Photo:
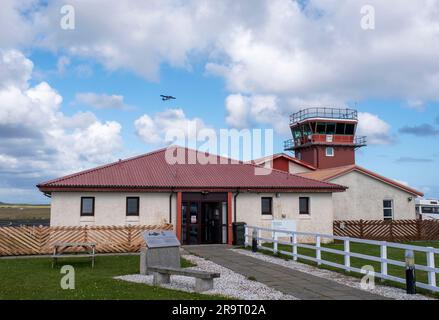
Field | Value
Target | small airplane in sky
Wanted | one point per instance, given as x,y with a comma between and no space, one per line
165,98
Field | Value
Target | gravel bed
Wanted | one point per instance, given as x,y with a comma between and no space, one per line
230,284
389,292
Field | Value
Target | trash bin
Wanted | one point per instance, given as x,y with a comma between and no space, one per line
238,233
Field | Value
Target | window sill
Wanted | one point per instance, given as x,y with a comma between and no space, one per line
132,219
304,216
87,219
267,217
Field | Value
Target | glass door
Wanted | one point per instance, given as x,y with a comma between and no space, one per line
193,222
211,222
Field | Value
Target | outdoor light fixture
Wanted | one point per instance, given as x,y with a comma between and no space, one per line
409,199
277,195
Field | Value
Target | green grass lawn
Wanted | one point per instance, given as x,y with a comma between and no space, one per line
33,278
372,250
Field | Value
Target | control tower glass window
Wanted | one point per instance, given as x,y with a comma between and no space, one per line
340,128
350,128
330,128
297,133
307,130
321,128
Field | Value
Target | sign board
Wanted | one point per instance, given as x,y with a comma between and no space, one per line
160,239
287,225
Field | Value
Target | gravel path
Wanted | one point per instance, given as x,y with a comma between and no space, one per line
230,284
389,292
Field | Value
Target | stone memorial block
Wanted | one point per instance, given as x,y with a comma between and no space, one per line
162,249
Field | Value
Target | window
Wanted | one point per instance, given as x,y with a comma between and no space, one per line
266,205
304,205
307,131
340,128
430,209
329,151
321,128
388,209
350,129
330,128
133,206
87,206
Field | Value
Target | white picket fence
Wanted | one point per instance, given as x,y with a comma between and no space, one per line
346,253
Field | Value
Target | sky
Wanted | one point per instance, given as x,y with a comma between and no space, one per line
80,85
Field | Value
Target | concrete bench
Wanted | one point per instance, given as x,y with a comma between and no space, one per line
203,279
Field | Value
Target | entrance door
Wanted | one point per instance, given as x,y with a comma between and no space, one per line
212,222
203,218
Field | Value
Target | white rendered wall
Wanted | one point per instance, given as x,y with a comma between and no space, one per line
364,199
296,168
320,220
110,209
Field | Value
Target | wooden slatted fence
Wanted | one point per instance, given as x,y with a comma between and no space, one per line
26,240
395,230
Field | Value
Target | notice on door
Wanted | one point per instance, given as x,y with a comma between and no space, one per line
193,219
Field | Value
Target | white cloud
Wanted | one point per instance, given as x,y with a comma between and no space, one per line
312,52
15,70
15,28
164,125
38,139
101,101
238,111
246,111
376,129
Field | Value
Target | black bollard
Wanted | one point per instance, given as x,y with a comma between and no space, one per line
254,241
410,277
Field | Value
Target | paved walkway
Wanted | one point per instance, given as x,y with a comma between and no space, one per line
298,284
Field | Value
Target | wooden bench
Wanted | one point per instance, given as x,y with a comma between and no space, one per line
60,247
203,279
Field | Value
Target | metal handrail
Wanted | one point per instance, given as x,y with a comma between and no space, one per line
328,113
358,141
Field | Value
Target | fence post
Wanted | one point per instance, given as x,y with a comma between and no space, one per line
294,247
347,255
274,239
259,237
430,264
318,251
246,236
383,255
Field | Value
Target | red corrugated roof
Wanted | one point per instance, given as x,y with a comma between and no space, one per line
152,170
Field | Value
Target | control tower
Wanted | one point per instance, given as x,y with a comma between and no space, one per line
325,137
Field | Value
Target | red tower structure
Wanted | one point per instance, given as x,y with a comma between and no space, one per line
325,137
